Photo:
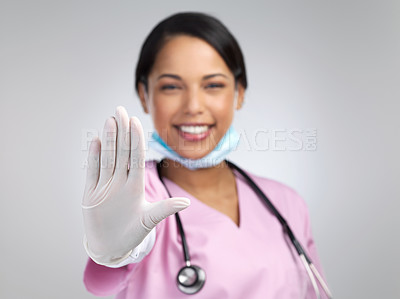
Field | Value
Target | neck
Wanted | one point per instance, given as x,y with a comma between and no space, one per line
212,177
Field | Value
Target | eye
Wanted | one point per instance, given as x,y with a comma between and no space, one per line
169,87
215,85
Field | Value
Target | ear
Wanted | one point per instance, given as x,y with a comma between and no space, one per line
143,96
240,96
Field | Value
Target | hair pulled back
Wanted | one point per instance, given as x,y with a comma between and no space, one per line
194,24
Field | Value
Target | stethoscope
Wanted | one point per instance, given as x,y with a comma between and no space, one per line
191,278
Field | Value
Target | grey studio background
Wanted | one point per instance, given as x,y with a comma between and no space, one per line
326,72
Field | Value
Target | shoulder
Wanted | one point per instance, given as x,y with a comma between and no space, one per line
151,168
285,198
154,188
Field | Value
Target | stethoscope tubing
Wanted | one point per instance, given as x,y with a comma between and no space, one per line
186,254
307,262
274,211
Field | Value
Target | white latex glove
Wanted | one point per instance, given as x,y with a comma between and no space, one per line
116,215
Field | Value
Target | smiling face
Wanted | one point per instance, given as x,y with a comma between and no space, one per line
190,96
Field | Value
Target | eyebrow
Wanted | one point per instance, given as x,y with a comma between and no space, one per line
179,78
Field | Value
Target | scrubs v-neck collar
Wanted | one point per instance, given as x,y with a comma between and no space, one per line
223,217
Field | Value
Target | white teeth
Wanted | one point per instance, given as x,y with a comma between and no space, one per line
194,129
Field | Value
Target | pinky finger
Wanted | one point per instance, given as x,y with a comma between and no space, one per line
92,174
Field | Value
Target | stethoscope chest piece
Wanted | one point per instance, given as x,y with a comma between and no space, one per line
191,279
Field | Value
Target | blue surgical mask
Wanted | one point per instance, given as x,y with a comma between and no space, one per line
227,143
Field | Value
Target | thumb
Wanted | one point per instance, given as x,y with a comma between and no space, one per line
162,209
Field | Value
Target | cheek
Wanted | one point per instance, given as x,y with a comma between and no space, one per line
162,113
224,109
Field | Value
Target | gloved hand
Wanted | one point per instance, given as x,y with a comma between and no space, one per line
116,215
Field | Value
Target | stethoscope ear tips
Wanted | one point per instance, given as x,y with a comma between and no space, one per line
191,279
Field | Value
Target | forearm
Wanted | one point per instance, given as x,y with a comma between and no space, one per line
104,281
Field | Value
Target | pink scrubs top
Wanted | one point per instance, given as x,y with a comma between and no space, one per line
254,260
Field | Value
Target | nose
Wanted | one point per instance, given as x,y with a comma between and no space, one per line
193,102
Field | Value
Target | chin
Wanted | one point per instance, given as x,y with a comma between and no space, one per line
193,156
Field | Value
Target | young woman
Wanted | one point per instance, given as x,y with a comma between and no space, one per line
226,241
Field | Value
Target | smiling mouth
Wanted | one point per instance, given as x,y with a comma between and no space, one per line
194,132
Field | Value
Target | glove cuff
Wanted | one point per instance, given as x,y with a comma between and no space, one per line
135,255
99,260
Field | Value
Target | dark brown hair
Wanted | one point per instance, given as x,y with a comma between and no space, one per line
194,24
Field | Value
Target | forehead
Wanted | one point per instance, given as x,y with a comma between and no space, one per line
189,56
